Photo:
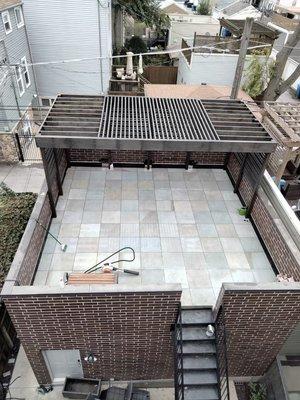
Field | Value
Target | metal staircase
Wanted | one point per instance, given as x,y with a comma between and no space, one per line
197,371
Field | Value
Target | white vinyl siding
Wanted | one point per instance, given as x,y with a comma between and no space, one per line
25,71
20,82
6,22
64,30
19,17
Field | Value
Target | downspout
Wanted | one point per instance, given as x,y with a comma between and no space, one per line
12,75
30,53
100,46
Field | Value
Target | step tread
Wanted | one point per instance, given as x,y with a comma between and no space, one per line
201,393
200,378
200,347
199,362
197,316
195,333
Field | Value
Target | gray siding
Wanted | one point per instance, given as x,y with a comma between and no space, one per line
13,46
62,30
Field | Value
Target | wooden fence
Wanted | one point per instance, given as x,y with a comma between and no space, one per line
161,75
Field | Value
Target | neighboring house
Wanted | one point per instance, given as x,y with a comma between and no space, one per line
17,82
187,26
216,64
237,7
63,30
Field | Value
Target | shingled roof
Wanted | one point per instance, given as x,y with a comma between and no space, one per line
5,4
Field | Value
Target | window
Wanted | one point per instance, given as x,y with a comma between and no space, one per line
46,101
25,70
19,17
6,22
20,82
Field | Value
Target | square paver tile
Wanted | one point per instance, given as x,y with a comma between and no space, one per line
237,260
129,205
133,242
231,245
84,261
207,230
251,244
129,217
166,217
87,245
147,205
165,205
163,194
211,245
45,261
245,230
148,217
264,275
111,217
150,245
226,230
198,278
69,230
149,230
168,230
170,245
152,277
196,194
221,217
91,217
151,261
258,260
72,217
176,276
93,205
180,194
89,230
216,261
187,230
203,217
62,262
173,260
111,205
185,217
71,245
131,230
191,245
74,205
78,194
108,244
109,230
242,275
194,261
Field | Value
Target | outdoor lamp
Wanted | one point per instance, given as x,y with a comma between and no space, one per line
90,358
210,331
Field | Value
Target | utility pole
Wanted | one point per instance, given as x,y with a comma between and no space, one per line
242,58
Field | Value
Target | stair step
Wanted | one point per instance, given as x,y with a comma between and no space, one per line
195,333
201,393
199,362
197,316
198,347
200,378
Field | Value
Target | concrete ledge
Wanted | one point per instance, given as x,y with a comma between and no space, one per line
83,289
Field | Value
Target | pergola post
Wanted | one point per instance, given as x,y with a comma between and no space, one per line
281,169
257,184
49,183
241,172
58,178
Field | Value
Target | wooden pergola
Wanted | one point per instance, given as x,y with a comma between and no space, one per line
152,124
284,121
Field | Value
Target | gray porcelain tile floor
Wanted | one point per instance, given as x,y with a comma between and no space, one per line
183,225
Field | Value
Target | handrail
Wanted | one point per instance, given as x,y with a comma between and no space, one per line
283,209
178,357
222,359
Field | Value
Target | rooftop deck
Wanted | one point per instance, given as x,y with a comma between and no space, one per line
183,225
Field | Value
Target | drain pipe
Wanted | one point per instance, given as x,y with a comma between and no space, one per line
100,43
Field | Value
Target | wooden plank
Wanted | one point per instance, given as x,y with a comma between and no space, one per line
92,279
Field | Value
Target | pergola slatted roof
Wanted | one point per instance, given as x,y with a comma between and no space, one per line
143,123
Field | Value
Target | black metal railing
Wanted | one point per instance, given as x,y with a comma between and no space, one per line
27,149
178,358
222,362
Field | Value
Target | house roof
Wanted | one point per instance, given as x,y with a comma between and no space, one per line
5,4
236,27
233,8
171,7
149,124
248,12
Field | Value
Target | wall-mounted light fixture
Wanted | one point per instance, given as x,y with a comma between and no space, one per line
210,331
90,358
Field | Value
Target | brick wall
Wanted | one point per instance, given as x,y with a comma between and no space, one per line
278,249
258,322
129,333
159,157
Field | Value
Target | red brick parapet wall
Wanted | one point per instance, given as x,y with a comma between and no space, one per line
258,322
139,157
281,254
129,333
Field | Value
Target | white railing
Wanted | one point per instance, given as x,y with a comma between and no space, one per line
282,207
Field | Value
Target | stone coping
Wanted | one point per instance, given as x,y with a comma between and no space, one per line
84,289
